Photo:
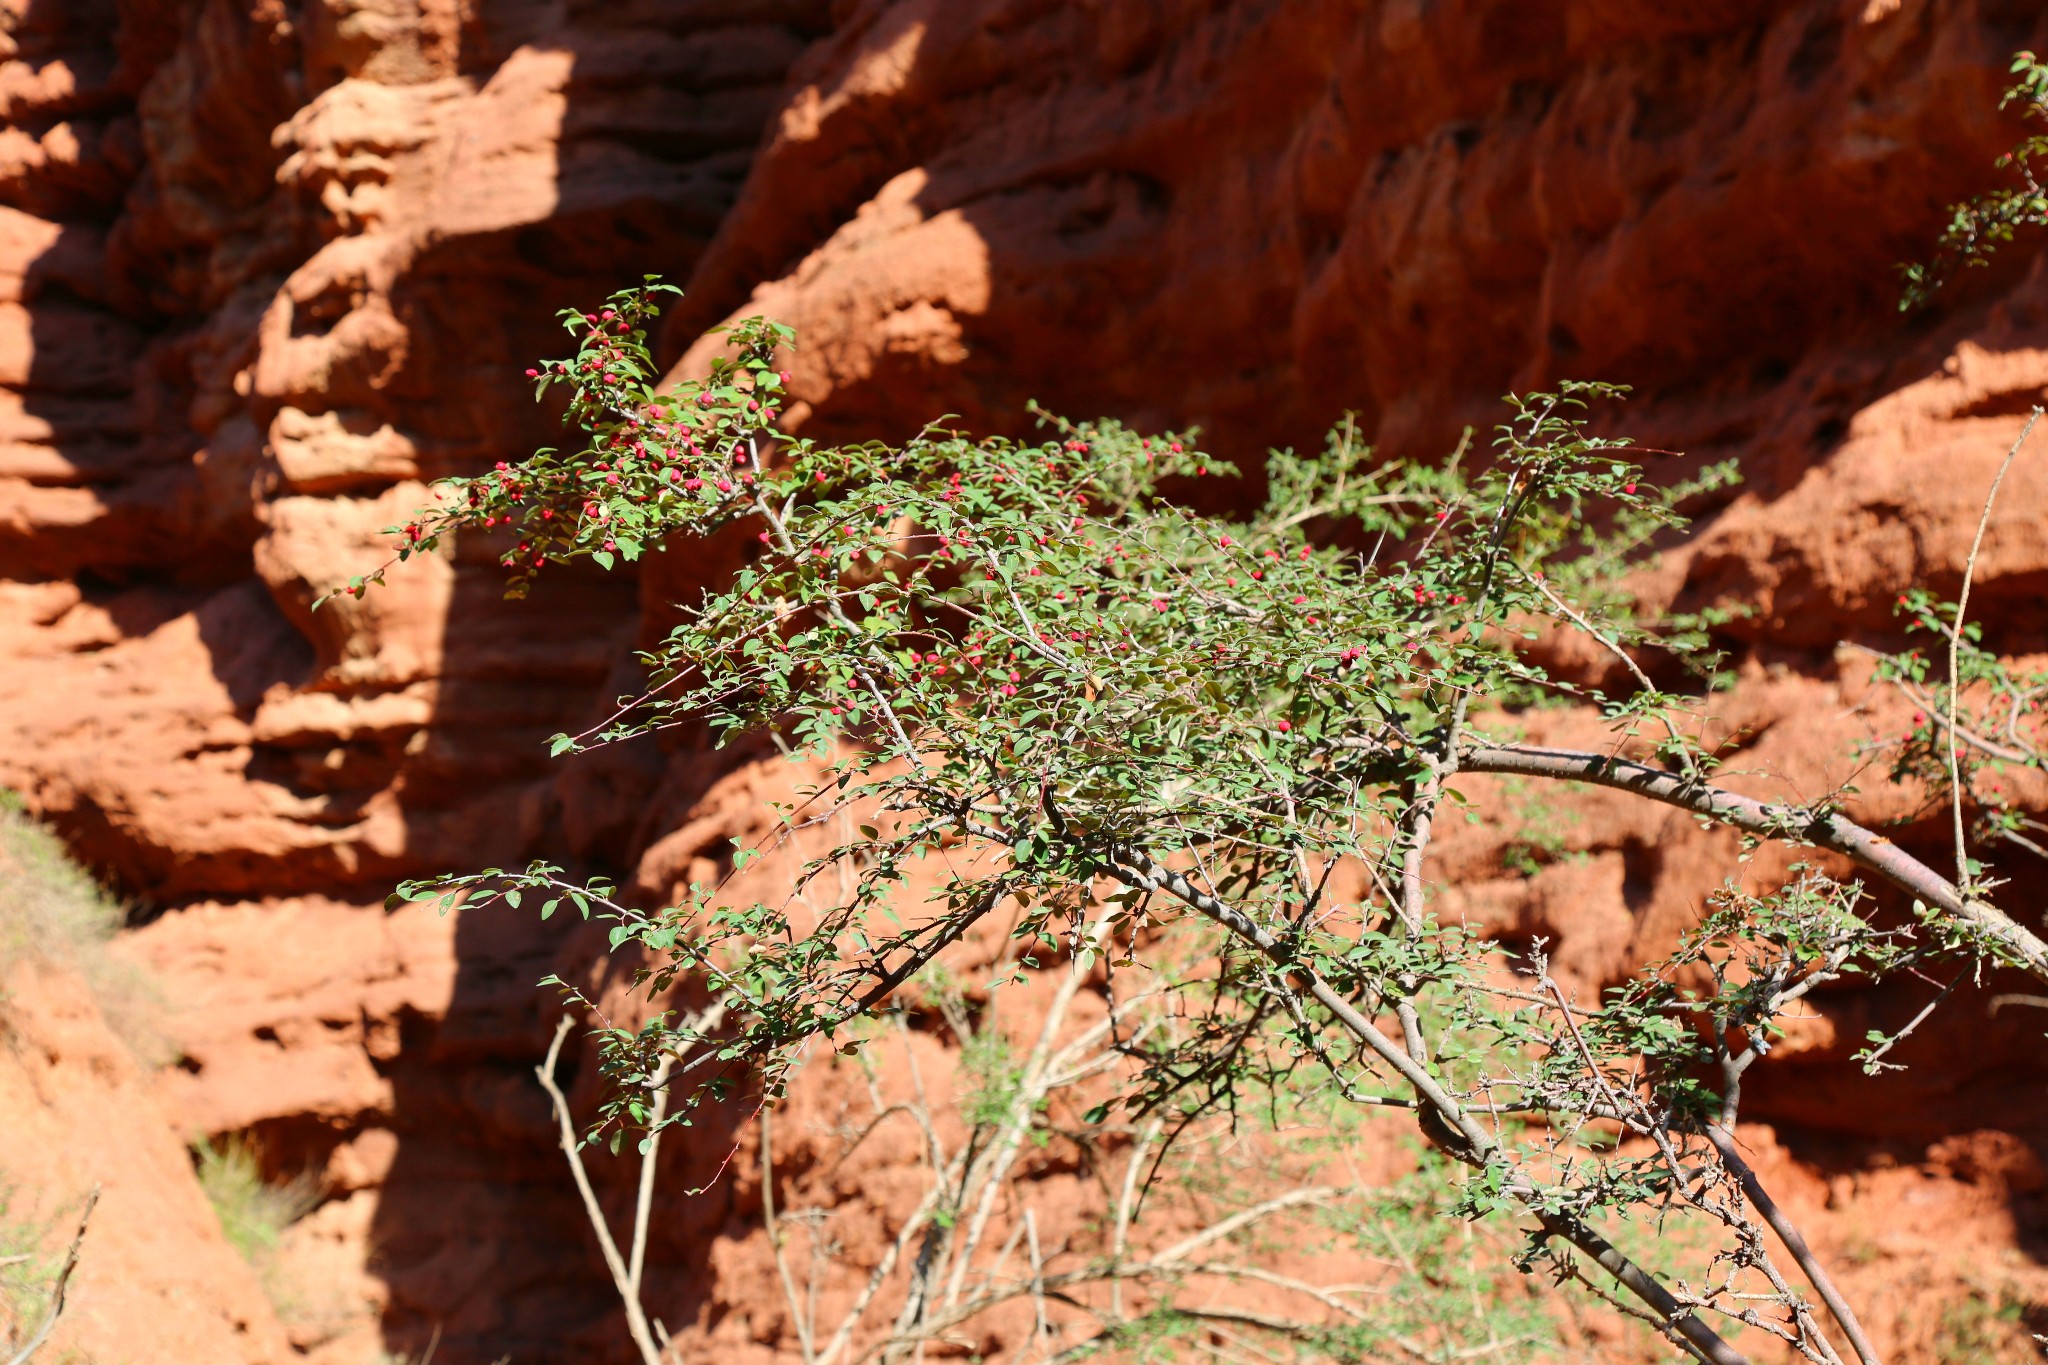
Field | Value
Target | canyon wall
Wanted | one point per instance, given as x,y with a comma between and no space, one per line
267,268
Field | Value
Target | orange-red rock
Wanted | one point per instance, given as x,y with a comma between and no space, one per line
266,269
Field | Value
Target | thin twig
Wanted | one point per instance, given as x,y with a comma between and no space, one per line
1126,1201
1955,647
797,1316
1613,647
636,1318
643,1202
1870,1066
1040,1327
61,1290
1031,1087
1237,1222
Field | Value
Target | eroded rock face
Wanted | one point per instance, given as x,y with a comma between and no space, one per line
268,269
157,1282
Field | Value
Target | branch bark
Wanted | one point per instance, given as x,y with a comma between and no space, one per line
1138,869
1788,1233
1826,829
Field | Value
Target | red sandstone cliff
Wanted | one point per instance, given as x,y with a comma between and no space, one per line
266,267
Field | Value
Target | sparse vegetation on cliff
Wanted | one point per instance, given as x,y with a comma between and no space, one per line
51,910
253,1211
50,907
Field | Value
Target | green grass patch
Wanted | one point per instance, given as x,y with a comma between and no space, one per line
51,910
253,1211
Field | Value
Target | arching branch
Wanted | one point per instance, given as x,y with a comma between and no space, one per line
1774,820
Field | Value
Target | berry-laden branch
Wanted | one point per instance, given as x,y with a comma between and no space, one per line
1978,227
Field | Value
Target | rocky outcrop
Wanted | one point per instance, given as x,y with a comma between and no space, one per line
156,1283
266,270
266,273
